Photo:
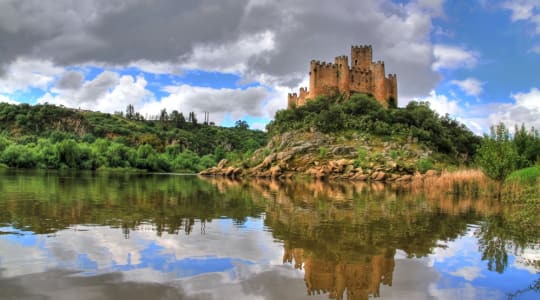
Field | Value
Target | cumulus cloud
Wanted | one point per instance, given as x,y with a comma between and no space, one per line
266,41
441,104
108,92
25,73
71,80
525,10
471,86
5,99
526,109
453,57
469,273
236,103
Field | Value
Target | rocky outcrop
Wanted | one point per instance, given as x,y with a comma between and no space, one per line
322,156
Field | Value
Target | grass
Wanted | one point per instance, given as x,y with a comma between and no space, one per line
460,182
529,175
322,152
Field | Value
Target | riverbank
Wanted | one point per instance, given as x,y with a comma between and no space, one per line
343,156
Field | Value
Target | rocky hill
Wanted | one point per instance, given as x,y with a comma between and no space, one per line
351,156
357,139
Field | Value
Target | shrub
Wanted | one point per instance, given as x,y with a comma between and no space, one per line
322,152
423,165
497,155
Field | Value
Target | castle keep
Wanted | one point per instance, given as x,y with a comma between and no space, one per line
363,76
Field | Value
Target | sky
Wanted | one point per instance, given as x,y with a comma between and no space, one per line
476,60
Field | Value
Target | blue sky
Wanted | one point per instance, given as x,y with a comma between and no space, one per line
475,60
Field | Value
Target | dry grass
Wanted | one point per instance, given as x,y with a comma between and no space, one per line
461,182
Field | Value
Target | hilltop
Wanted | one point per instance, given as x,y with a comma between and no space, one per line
51,137
357,138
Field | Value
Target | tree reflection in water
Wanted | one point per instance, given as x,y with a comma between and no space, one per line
344,236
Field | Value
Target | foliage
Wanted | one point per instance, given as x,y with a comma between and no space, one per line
530,175
364,113
322,152
497,155
50,137
423,165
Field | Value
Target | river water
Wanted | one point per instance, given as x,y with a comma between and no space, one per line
152,236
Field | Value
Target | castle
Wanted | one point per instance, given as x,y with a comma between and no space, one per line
364,76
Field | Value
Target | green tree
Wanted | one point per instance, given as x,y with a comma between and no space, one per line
68,153
241,124
130,112
497,155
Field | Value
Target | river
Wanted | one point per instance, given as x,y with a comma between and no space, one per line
69,235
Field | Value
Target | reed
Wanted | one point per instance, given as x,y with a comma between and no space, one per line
462,182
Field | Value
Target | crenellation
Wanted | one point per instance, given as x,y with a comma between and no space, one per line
362,76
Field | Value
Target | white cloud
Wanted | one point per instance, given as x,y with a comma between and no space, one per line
469,273
266,41
436,7
231,57
471,86
218,102
535,49
526,109
527,259
25,73
525,10
452,57
441,104
521,10
108,92
5,99
156,67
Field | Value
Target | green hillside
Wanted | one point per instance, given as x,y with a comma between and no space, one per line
52,137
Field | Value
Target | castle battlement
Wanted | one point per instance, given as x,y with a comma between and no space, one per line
361,47
362,76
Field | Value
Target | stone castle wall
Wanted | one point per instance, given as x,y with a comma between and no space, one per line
362,76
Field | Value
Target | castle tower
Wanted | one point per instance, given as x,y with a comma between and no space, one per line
313,80
380,84
361,57
392,78
362,76
343,74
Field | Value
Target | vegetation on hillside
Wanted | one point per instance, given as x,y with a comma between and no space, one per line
51,137
501,153
365,114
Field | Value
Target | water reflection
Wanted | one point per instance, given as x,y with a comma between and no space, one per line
230,239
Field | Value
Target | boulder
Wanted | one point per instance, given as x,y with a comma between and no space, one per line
378,176
275,171
222,163
392,177
268,160
237,172
359,177
344,151
404,178
228,172
283,156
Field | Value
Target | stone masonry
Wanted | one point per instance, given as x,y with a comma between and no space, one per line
363,76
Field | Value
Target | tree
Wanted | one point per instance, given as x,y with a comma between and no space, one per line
241,124
178,119
192,119
497,155
130,112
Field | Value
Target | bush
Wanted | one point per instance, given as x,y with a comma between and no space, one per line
322,152
423,165
497,156
530,175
